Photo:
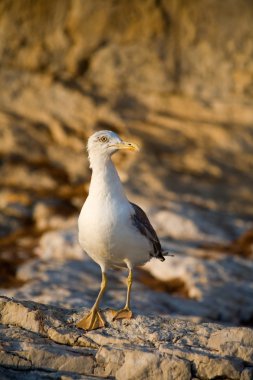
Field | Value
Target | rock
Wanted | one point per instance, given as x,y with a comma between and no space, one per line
243,246
40,339
41,374
138,73
222,284
185,222
51,216
164,38
189,285
247,374
149,71
60,246
229,346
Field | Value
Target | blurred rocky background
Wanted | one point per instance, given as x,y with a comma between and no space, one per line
175,76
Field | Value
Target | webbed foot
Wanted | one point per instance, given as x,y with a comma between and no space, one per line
125,313
92,321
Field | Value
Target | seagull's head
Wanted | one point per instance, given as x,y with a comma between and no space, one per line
106,143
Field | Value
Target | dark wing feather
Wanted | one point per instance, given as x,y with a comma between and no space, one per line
141,222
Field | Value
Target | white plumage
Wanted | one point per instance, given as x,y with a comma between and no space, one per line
105,229
113,231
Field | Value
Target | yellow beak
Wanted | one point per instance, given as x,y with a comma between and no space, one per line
126,145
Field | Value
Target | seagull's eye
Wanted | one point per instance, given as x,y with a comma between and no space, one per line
103,139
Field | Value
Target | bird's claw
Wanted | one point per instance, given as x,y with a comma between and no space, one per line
92,321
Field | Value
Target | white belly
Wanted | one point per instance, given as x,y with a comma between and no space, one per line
108,236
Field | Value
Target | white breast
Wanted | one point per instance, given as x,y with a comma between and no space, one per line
107,234
106,231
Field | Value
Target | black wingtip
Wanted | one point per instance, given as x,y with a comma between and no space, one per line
167,253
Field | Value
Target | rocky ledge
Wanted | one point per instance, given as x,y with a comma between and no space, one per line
39,341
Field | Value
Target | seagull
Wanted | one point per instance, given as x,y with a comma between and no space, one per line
113,231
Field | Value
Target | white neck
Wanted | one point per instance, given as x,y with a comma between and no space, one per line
105,181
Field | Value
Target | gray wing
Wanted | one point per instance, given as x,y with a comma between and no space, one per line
141,222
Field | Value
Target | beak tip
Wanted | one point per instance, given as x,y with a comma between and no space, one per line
133,147
129,146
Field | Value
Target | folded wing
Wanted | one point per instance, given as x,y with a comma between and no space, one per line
141,222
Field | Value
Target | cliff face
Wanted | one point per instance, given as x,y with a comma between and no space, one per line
175,75
200,49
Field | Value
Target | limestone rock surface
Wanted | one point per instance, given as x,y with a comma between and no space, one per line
43,342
